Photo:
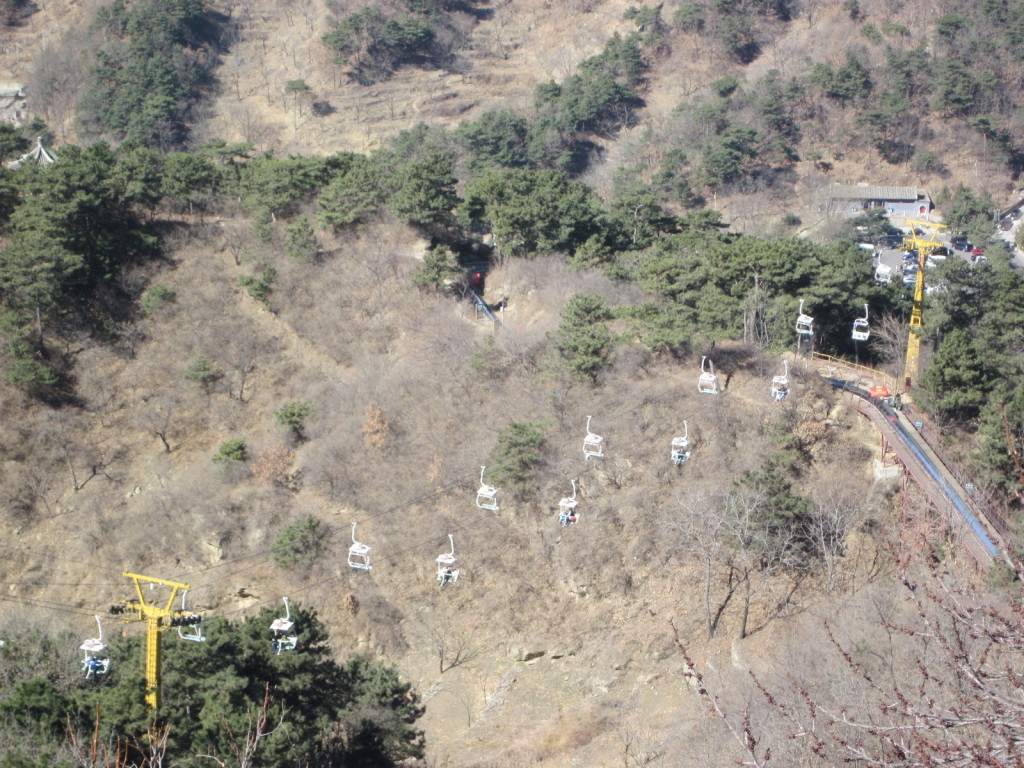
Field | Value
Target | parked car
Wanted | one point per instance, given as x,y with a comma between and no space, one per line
977,251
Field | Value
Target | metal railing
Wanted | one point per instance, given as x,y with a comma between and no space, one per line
866,370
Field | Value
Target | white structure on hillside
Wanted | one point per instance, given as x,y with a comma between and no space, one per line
39,156
13,104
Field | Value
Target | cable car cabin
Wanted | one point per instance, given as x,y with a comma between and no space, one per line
681,446
593,445
680,450
283,636
804,323
861,331
358,554
780,384
447,573
188,623
96,661
567,514
486,495
708,382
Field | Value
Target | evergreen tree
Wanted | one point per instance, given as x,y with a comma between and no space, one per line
958,380
517,456
319,711
583,338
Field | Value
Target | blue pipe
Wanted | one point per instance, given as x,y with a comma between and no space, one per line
915,448
481,303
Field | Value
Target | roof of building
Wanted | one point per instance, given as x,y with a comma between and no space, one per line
40,156
875,192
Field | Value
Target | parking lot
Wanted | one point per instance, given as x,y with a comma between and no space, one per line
903,264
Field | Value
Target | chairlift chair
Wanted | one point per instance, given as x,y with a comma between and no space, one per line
96,661
358,554
283,636
486,495
780,384
567,514
447,573
593,445
681,446
189,625
861,330
708,382
804,323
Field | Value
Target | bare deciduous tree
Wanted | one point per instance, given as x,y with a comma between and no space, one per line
698,529
454,646
836,512
946,692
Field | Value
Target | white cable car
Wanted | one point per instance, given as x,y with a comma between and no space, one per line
681,446
861,330
593,445
447,573
189,625
96,661
883,274
708,382
486,495
358,554
780,384
283,636
567,514
804,323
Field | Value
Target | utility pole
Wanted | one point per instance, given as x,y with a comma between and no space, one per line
158,619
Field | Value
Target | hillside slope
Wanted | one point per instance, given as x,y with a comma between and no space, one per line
555,647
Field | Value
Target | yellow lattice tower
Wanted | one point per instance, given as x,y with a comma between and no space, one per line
156,618
923,248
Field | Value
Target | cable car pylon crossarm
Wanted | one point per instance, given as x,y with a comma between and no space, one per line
158,617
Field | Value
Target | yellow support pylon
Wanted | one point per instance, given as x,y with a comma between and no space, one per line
923,247
154,616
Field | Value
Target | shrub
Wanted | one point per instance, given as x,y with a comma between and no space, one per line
439,269
300,240
155,297
260,287
300,543
232,451
202,370
293,414
26,372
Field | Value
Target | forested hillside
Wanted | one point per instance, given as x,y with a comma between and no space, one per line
301,266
